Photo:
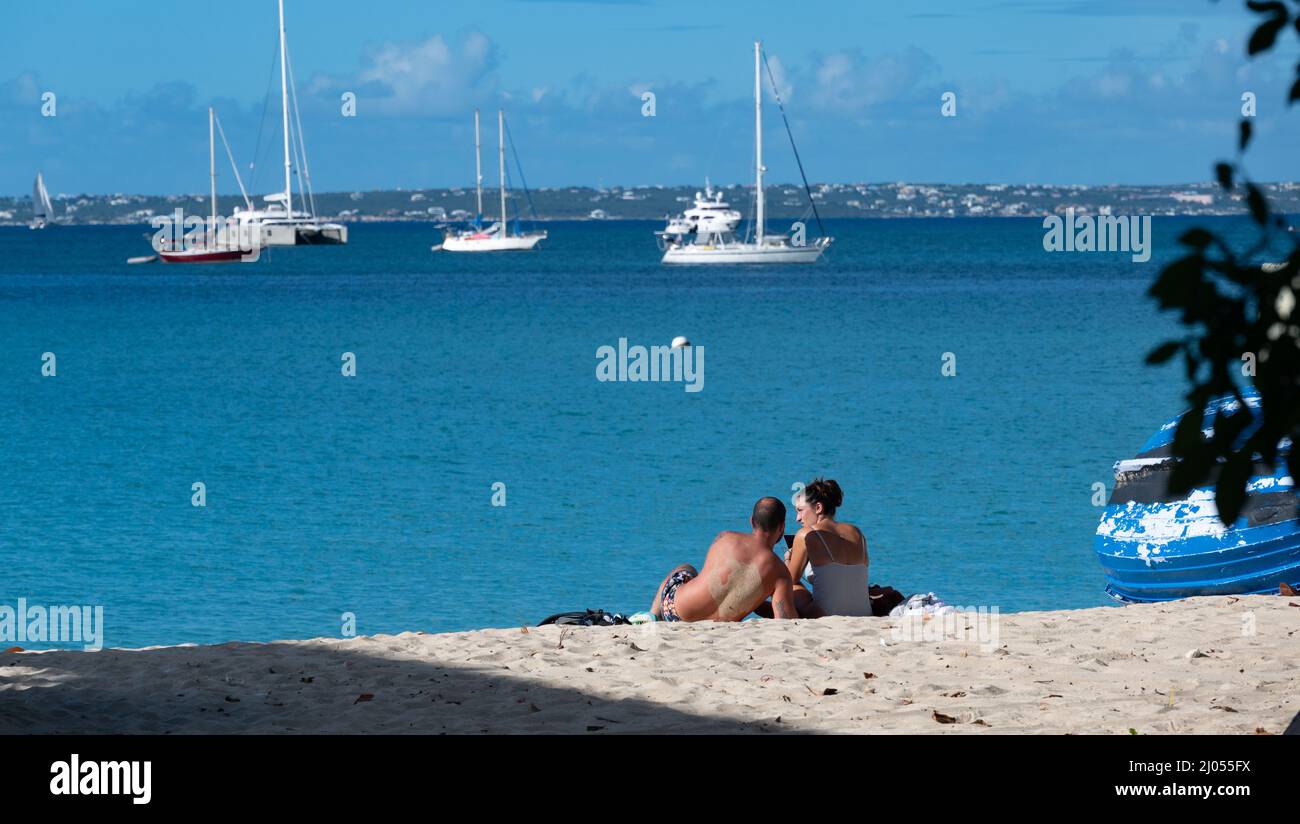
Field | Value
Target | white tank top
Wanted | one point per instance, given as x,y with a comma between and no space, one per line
839,589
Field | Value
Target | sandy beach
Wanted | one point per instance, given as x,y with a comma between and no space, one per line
1211,665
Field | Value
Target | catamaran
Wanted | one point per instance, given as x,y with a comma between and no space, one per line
497,237
42,208
216,246
724,246
278,223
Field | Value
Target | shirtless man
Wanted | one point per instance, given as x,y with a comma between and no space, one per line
740,573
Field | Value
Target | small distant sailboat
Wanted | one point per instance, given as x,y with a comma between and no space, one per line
42,208
213,248
497,237
724,246
279,224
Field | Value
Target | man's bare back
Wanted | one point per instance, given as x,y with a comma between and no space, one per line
740,573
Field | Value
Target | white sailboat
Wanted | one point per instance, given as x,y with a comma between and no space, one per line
724,246
42,208
497,237
278,223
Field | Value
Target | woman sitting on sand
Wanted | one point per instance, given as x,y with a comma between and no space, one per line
832,556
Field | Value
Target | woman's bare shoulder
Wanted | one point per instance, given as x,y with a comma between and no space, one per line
854,532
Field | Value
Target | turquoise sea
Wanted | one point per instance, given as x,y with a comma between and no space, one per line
372,494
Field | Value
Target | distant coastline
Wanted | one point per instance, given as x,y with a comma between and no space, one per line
785,202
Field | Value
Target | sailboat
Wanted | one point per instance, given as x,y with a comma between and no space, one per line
497,237
42,208
279,224
213,249
721,246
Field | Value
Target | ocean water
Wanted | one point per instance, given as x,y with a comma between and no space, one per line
372,494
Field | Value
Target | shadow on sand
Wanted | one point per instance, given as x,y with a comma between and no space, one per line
283,688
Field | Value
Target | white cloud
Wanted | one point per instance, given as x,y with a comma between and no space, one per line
432,77
850,81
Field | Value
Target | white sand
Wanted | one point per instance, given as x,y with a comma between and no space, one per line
1086,671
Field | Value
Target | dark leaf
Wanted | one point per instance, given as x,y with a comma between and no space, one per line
1244,140
1293,460
1164,352
1223,172
1266,32
1196,238
1189,444
1230,492
1178,282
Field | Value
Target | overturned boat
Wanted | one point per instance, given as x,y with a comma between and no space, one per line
1156,546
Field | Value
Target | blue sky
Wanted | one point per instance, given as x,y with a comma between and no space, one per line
1049,91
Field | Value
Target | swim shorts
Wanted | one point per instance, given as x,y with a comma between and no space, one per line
668,601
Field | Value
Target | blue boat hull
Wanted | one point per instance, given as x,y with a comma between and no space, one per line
1249,560
1153,546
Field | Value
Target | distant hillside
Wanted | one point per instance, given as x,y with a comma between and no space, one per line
785,202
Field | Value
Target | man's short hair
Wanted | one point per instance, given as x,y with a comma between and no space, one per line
769,515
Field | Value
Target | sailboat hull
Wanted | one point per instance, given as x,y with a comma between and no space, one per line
491,243
708,254
202,256
256,232
330,234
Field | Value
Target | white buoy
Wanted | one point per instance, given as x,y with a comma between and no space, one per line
680,341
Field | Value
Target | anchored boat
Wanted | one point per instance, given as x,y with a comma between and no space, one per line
721,245
497,237
278,223
711,215
1155,546
215,245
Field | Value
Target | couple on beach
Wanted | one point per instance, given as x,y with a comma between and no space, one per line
741,573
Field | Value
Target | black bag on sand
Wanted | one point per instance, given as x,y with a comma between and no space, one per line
586,618
883,599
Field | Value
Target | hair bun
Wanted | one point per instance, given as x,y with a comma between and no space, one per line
836,494
826,492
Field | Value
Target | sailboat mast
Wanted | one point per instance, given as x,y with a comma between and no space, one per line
212,167
758,140
284,108
501,139
478,167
